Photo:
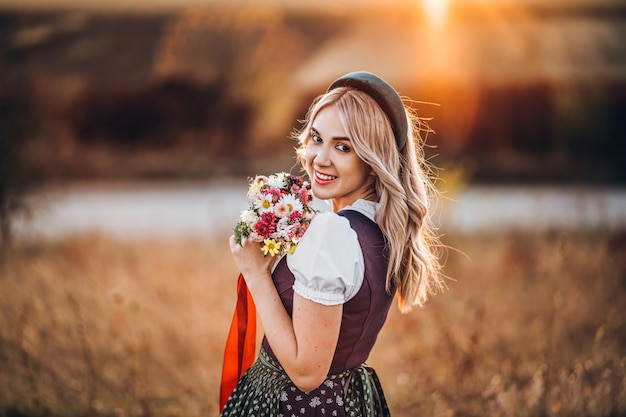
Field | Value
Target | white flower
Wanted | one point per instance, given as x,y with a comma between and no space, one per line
249,217
292,202
283,229
264,204
278,180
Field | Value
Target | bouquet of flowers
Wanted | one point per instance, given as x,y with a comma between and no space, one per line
280,211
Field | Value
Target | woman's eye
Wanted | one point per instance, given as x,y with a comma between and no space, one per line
343,147
316,138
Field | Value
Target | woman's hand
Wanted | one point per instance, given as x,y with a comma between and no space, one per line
251,261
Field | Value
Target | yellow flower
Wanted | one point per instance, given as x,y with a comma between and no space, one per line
271,246
254,188
292,248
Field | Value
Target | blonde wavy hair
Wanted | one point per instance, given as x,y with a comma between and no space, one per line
403,188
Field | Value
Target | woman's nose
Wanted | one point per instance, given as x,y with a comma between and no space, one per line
322,156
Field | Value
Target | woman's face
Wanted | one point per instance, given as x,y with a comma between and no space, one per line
335,170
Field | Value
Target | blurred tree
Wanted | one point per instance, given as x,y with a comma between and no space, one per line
250,49
18,122
162,115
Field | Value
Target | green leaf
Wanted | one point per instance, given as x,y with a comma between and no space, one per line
241,232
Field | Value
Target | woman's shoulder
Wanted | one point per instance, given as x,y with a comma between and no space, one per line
329,219
365,207
327,228
328,262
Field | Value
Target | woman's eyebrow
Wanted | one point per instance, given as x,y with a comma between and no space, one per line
314,130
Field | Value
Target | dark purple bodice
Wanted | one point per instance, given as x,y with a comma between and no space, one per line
363,315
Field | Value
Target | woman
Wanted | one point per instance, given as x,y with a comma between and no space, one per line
323,306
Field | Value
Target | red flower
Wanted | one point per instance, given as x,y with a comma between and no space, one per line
266,225
295,216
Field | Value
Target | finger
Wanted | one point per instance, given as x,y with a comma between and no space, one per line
232,243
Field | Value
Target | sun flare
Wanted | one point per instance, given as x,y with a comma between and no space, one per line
436,11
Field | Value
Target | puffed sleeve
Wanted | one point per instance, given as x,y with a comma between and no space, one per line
328,262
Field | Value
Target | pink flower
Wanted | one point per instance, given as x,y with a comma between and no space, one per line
275,193
256,237
296,231
304,196
259,180
281,210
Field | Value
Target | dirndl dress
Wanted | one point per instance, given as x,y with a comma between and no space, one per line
352,388
265,390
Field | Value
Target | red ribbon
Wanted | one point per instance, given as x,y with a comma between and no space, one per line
240,345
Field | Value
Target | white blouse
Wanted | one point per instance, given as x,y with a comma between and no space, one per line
328,262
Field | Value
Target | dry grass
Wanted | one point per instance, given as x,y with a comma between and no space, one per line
534,325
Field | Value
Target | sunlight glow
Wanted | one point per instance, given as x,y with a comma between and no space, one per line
436,11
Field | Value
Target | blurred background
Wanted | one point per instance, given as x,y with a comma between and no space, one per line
518,91
122,121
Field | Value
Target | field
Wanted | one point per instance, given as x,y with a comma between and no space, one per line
531,325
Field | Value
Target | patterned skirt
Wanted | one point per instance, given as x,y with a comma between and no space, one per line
265,390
